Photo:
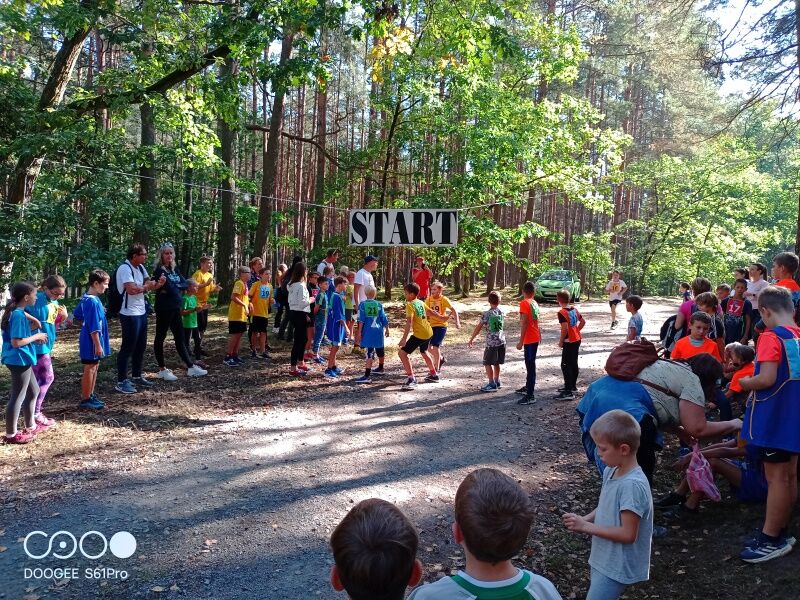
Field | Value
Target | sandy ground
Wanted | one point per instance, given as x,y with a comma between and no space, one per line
237,496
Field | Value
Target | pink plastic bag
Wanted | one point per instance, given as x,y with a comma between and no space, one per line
700,477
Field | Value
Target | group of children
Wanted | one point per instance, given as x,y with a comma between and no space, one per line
375,545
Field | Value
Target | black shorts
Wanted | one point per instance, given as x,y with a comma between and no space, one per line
413,343
235,327
90,361
373,352
494,355
259,324
614,302
348,314
775,455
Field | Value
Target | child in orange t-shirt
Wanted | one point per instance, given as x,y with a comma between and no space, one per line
696,342
741,360
784,268
571,323
529,338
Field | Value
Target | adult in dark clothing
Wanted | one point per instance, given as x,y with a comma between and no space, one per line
169,299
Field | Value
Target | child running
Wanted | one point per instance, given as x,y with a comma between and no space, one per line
569,341
47,311
337,327
19,356
493,516
529,338
772,420
441,311
421,333
616,291
372,328
622,524
238,311
93,342
494,353
375,552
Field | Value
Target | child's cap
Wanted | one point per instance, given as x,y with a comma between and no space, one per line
374,548
494,514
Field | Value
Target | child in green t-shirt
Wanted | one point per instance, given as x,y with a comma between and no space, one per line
189,310
350,308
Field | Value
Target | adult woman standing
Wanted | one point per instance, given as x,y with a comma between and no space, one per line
669,396
300,316
168,314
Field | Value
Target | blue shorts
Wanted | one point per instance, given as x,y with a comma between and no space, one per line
438,336
754,484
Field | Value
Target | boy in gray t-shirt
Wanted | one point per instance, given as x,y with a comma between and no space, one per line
622,524
494,354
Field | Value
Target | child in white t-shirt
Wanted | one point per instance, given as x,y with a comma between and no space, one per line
615,290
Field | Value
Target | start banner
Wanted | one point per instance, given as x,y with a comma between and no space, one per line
403,227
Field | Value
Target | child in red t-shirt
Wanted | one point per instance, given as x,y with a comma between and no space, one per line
740,362
529,338
697,341
569,341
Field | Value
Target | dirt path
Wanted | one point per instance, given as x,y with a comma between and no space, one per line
240,503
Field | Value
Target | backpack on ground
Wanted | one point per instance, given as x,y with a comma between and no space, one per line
628,359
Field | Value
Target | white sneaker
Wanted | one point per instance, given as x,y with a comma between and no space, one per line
275,330
195,371
167,375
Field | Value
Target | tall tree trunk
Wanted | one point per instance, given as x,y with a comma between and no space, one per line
269,178
147,172
319,190
188,233
226,238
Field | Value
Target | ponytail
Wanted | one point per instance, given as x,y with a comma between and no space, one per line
18,292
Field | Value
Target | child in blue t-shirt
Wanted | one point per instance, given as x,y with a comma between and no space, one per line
93,343
19,356
47,311
337,327
371,329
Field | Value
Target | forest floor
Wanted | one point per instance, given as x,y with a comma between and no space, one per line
231,484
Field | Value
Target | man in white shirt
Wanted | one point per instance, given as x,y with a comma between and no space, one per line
363,279
132,282
330,259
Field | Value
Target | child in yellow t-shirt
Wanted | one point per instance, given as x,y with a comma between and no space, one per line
205,286
238,311
260,295
421,333
441,312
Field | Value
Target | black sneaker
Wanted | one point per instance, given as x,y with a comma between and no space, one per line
379,371
203,354
433,378
523,390
526,399
565,396
670,500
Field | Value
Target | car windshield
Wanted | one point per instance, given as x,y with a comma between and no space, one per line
556,276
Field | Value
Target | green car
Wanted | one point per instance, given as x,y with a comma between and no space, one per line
550,283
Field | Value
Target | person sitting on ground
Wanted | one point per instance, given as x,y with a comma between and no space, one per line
772,420
622,524
697,341
375,552
494,354
636,323
493,516
738,463
742,365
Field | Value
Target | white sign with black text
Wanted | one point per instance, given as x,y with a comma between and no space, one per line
403,227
